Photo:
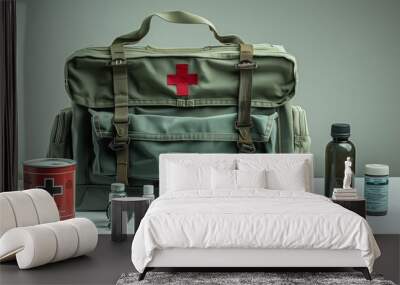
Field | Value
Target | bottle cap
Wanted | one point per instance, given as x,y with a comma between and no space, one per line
376,169
117,187
340,130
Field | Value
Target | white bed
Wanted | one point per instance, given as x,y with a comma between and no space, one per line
202,226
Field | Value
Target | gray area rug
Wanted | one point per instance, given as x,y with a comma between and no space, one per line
243,278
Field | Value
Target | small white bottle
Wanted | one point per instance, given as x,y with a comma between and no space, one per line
148,191
117,191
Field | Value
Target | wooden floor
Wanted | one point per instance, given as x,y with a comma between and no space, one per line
110,260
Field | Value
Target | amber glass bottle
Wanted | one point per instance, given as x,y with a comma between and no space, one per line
336,153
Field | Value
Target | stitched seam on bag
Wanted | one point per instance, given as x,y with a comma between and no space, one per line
188,137
270,124
257,103
97,129
301,138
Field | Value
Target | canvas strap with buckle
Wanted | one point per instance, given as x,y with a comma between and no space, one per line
120,143
243,123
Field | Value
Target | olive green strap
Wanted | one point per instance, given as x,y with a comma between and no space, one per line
120,86
243,123
178,17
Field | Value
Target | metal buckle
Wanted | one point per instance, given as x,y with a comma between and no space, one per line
118,62
246,148
120,121
237,126
118,146
245,64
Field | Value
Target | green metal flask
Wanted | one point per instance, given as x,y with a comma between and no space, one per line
336,153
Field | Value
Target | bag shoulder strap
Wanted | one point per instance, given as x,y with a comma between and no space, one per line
243,123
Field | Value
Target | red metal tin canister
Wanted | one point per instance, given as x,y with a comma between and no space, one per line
56,176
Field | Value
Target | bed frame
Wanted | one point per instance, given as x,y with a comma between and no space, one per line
244,258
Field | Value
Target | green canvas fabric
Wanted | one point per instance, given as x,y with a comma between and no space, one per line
60,136
89,76
158,120
86,140
302,139
152,135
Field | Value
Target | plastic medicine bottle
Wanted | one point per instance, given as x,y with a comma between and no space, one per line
117,191
336,153
376,189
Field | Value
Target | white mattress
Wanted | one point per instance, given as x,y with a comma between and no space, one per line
250,219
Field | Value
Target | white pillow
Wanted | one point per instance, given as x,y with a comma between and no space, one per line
182,177
281,173
228,179
294,180
223,179
251,178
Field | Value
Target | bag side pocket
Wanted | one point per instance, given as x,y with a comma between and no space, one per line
302,139
60,145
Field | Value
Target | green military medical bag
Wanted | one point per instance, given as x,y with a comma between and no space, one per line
129,104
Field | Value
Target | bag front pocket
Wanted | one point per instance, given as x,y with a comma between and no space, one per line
151,135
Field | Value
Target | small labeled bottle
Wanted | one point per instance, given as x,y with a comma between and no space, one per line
117,191
376,183
336,153
148,191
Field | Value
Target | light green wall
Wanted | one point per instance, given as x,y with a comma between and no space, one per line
347,51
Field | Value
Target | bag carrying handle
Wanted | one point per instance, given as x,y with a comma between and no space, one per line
178,17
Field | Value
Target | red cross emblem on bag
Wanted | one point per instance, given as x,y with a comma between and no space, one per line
182,79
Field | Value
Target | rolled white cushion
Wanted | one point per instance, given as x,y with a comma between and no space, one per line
23,208
26,208
87,235
66,238
45,205
33,246
40,244
7,218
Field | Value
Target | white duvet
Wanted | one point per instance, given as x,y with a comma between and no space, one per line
252,218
